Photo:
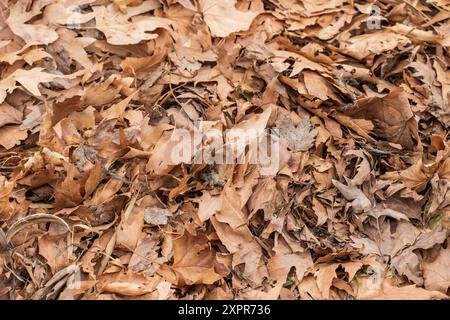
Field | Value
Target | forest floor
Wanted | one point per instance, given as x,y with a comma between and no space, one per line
224,149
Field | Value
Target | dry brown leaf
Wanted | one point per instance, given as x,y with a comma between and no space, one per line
388,291
127,284
437,272
359,201
194,260
131,225
9,115
362,46
392,117
107,111
324,277
280,265
223,18
29,79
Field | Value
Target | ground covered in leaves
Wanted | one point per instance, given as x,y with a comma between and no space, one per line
92,91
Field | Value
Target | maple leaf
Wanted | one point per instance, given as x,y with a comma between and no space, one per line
300,137
194,260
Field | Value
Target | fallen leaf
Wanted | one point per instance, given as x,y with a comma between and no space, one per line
300,137
129,28
392,117
223,18
194,260
437,272
359,201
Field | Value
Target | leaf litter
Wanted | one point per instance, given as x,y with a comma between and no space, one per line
92,94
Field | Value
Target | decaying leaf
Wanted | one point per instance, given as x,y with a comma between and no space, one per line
237,149
31,33
224,18
194,260
129,28
359,201
392,117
